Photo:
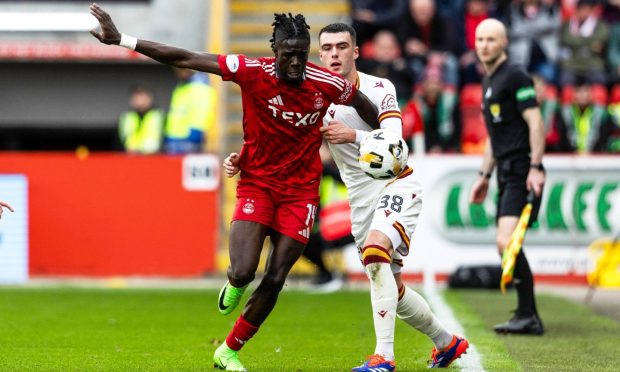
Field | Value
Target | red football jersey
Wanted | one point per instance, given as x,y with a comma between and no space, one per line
281,121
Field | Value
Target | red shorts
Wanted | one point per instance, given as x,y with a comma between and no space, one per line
291,215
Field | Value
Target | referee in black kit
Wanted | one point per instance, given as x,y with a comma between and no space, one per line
516,145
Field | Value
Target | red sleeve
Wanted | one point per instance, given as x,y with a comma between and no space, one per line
339,90
237,68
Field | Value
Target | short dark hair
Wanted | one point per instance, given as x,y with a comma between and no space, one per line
289,27
336,28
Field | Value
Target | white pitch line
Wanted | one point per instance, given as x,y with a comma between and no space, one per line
470,361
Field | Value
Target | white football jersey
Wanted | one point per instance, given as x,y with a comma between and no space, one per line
391,206
382,94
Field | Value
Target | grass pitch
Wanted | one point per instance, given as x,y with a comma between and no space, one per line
69,329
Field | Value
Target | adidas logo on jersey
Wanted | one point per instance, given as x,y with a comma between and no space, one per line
277,100
305,232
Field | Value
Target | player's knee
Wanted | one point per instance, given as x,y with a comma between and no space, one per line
240,277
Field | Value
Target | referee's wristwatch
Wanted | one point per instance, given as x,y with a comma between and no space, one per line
538,166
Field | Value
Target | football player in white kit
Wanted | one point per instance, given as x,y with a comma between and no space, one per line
384,213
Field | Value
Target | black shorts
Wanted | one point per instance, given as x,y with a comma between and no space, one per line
511,181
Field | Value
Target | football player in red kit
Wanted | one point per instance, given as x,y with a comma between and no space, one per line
284,100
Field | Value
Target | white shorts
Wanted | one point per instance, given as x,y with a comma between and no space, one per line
394,210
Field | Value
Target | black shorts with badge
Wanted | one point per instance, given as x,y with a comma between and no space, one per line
511,181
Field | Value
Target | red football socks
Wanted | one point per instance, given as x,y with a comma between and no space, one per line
241,333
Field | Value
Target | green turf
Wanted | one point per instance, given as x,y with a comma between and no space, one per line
68,329
178,330
576,339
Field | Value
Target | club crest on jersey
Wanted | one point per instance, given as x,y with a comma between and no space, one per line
389,103
248,207
318,103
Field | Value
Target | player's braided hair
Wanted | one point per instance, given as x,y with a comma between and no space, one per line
287,27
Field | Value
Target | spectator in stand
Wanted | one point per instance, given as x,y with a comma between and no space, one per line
451,9
471,70
371,16
436,106
613,54
140,128
425,35
583,40
611,130
388,63
547,97
191,114
582,120
533,30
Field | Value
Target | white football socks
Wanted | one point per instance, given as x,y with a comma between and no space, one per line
384,298
414,310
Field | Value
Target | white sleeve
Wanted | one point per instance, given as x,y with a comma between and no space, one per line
387,104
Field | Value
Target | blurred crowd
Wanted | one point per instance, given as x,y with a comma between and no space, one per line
571,48
183,129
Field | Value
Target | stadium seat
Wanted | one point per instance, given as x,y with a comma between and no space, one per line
474,132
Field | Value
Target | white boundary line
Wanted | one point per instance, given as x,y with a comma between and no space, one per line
471,361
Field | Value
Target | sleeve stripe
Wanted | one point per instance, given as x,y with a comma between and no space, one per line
312,77
325,74
389,114
320,74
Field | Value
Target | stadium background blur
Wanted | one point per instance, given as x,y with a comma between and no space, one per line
84,208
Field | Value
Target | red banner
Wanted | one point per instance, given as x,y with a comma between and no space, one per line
115,214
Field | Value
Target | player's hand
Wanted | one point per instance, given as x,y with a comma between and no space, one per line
231,165
337,132
479,191
4,205
535,180
108,34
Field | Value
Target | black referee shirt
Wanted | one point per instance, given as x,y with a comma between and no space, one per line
506,94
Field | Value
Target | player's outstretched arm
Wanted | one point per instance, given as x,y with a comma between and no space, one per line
4,205
163,53
366,110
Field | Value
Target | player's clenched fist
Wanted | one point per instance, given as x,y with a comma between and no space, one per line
337,132
231,164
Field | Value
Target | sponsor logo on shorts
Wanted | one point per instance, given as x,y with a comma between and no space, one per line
387,213
382,313
248,207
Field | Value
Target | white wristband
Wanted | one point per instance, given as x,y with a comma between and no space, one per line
128,42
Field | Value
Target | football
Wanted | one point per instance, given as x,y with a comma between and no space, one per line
383,154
